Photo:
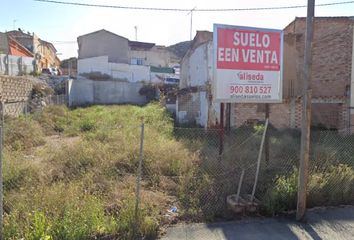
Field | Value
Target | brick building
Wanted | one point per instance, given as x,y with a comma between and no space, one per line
332,77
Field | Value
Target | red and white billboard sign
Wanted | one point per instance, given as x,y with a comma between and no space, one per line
247,64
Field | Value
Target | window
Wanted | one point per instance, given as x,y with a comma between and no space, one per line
137,61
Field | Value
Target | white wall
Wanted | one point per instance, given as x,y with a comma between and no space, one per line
198,74
203,121
94,64
131,73
16,65
86,92
196,70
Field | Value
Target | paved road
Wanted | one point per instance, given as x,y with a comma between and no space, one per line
320,224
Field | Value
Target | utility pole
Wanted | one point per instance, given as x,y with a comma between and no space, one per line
306,114
136,33
69,62
191,24
14,24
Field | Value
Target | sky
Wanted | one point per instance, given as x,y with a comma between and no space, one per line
62,24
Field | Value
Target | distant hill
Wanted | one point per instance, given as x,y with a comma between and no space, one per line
179,49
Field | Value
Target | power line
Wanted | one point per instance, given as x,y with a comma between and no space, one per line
63,42
195,10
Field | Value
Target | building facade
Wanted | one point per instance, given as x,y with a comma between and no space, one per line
44,52
10,46
121,50
194,101
332,80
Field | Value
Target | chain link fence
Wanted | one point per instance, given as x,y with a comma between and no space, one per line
23,107
90,173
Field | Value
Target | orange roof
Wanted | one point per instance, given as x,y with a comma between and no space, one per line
16,49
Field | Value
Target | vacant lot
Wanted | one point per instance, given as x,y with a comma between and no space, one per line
71,174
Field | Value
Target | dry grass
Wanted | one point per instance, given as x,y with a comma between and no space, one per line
79,181
82,188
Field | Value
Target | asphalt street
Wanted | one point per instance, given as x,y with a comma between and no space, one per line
320,224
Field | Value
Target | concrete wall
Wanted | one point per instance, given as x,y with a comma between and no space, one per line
104,43
15,66
130,73
87,92
93,64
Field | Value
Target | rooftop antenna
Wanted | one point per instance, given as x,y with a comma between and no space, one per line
191,27
14,24
136,33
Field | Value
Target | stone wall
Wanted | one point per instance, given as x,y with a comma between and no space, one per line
14,88
14,93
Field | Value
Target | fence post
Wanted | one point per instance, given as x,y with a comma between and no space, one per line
259,159
138,182
221,133
306,115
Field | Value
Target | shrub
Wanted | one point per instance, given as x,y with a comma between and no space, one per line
149,91
96,76
282,196
87,125
333,186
